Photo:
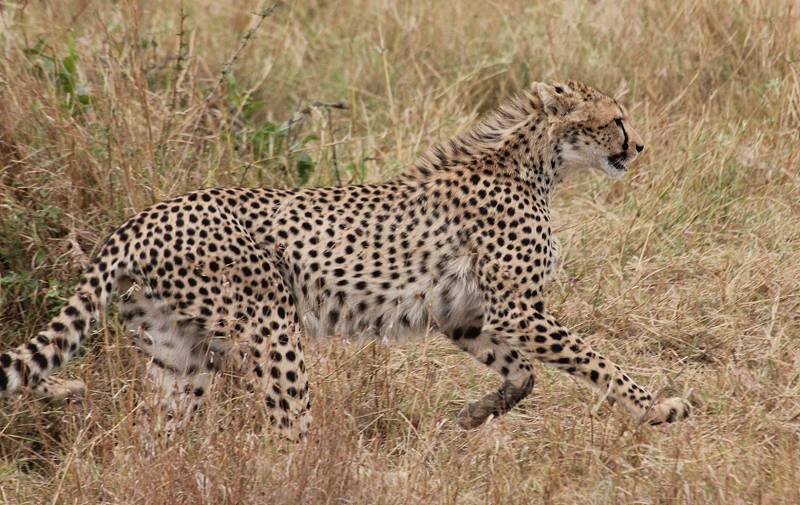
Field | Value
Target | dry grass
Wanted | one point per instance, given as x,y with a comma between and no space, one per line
686,272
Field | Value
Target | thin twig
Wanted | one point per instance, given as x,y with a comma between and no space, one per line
161,148
179,60
262,14
333,148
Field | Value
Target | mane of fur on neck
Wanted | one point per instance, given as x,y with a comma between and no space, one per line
490,137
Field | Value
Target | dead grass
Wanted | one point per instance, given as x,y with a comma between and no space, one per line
686,272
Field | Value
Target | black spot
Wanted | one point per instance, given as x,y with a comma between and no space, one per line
22,370
472,332
672,414
40,360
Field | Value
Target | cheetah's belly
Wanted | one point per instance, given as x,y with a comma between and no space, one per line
387,309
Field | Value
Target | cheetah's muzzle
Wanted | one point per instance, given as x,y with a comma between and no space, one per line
618,161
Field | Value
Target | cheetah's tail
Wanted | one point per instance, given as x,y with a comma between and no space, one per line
30,363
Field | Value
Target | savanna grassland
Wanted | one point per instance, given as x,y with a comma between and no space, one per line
687,272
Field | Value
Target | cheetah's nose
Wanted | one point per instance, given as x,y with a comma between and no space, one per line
639,148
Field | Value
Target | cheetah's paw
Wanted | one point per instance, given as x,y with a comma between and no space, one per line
668,411
64,391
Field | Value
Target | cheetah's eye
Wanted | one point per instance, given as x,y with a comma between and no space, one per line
618,120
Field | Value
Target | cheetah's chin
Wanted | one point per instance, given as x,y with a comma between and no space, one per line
615,171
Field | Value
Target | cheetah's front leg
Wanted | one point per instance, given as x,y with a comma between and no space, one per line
492,349
555,345
517,314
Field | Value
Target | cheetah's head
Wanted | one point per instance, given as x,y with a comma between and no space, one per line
590,128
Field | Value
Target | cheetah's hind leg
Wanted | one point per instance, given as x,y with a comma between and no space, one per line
274,363
179,366
178,396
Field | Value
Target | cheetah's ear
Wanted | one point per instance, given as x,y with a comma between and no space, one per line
555,98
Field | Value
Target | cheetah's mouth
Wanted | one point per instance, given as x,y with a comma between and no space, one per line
618,161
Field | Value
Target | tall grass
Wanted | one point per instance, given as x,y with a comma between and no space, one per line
686,272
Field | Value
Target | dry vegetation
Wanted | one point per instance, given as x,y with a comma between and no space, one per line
687,271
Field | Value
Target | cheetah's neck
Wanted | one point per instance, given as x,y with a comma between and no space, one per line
514,139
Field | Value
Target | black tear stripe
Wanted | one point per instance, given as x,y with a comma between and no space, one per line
624,134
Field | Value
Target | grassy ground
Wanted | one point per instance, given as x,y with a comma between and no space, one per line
686,272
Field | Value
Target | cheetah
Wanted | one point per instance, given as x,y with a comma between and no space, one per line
461,243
